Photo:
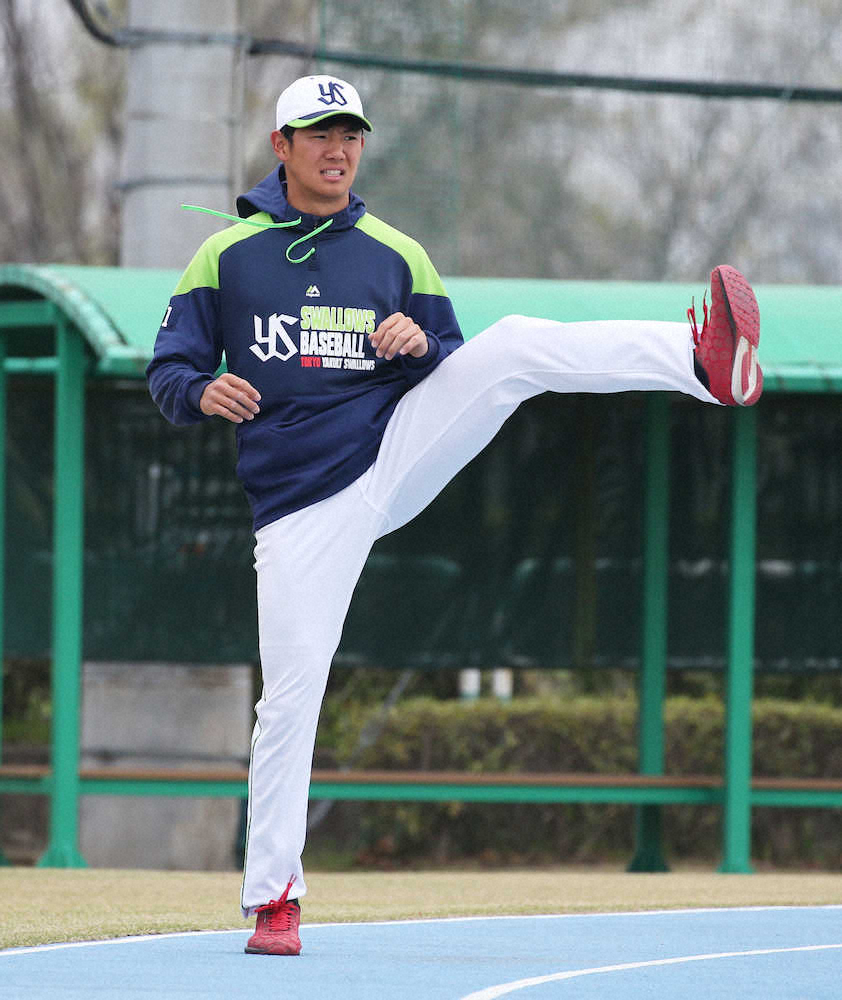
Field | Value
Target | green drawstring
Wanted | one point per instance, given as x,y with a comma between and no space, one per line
245,222
270,225
307,236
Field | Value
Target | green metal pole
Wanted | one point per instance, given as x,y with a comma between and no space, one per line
68,526
648,855
3,859
2,525
740,667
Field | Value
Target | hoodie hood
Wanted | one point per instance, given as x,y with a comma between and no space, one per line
270,196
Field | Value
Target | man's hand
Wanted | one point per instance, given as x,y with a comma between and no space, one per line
231,397
399,334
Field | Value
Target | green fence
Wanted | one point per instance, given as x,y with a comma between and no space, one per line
531,558
85,329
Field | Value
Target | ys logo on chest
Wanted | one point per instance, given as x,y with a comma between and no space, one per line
328,336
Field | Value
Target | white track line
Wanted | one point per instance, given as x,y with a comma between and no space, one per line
133,939
145,938
491,992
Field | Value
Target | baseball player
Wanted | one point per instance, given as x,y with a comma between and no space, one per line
355,401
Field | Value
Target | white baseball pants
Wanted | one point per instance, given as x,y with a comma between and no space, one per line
308,562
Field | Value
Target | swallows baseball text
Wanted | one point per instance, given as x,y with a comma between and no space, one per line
328,337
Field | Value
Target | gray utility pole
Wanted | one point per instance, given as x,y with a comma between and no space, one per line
183,110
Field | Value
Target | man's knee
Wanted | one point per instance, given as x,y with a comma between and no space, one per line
506,326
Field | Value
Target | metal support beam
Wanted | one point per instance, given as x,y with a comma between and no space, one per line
31,366
68,527
35,313
648,855
740,666
3,859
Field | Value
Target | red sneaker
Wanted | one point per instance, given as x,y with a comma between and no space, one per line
726,347
276,932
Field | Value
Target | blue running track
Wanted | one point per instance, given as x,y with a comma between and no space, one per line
776,953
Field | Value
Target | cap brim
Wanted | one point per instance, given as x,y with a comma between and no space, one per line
314,119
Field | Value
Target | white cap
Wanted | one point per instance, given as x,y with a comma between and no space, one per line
311,99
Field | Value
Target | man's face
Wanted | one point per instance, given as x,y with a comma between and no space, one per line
321,163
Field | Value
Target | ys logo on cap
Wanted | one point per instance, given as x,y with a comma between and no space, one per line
332,93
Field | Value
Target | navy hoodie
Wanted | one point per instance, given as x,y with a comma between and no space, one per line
291,310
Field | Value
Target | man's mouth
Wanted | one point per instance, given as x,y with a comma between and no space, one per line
332,172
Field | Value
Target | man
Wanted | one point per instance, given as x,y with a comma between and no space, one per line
356,402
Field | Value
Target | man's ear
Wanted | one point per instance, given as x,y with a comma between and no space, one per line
280,144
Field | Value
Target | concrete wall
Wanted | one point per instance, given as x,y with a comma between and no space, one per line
148,715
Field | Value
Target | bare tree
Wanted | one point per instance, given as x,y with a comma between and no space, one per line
59,138
493,179
515,181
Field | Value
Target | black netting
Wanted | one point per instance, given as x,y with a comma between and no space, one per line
532,556
499,179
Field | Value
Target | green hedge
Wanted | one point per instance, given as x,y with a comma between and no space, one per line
583,735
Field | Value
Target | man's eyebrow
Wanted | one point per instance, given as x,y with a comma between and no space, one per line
326,128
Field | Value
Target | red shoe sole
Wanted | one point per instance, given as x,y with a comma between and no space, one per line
262,951
733,338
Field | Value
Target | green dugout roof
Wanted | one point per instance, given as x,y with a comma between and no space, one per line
119,310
